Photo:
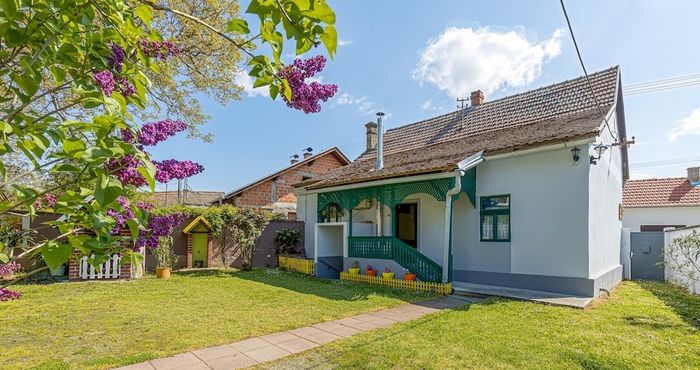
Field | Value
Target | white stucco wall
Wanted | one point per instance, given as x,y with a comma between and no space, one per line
306,211
605,197
549,210
635,217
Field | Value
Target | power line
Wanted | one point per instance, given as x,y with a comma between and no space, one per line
571,30
661,88
666,161
667,80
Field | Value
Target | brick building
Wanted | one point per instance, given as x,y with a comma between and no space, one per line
276,191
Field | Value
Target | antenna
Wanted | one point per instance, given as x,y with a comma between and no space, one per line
462,107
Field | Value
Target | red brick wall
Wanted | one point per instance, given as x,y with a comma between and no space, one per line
261,194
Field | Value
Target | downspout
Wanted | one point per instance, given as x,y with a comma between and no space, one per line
463,166
448,224
379,165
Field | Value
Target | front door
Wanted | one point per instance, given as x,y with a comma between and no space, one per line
407,223
199,250
646,250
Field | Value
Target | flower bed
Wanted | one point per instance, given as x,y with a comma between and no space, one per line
298,264
398,283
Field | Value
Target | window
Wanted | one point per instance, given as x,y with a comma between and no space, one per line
331,213
495,218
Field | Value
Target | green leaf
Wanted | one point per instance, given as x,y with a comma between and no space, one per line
4,258
107,190
261,7
133,227
149,176
9,7
26,83
68,53
96,153
55,254
287,91
144,13
59,74
330,40
238,26
65,167
73,145
274,91
323,12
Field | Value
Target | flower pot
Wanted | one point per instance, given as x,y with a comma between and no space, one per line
371,272
410,277
59,271
354,270
388,275
162,273
8,275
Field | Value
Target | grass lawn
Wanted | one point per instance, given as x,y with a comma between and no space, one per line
102,325
643,326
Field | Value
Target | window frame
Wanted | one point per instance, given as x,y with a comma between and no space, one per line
494,213
339,215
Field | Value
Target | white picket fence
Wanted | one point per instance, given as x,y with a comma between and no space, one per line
108,270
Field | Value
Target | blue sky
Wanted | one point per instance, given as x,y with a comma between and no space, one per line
410,59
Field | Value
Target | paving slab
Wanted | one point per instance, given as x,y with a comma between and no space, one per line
251,344
267,353
178,361
329,326
323,337
276,338
139,366
297,345
346,332
212,353
231,362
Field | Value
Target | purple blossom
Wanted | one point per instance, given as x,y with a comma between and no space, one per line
6,294
126,170
158,226
146,206
126,87
10,268
105,81
174,169
47,201
305,96
116,59
121,216
154,132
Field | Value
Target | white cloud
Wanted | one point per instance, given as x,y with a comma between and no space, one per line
342,42
428,104
462,60
242,79
688,126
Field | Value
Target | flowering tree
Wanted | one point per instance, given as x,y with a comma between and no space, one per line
98,56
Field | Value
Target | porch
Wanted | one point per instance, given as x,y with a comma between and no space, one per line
361,222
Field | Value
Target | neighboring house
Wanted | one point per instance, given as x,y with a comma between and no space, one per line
655,204
187,197
495,194
275,191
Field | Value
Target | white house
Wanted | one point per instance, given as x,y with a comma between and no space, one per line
522,192
655,204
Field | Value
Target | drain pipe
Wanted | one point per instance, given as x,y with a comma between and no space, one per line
462,167
606,291
379,165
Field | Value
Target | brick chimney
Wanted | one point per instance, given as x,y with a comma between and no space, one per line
477,97
294,159
694,176
307,155
371,135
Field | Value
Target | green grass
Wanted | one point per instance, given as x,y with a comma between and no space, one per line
643,326
102,325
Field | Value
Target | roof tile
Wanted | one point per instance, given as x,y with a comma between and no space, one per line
660,192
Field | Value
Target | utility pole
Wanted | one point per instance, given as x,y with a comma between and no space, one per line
462,107
179,191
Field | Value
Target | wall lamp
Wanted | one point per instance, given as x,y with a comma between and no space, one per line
600,149
574,152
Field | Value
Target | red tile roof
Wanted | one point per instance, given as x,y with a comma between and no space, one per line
194,198
666,192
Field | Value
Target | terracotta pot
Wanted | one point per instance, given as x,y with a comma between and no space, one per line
354,270
410,277
162,273
388,275
8,276
371,272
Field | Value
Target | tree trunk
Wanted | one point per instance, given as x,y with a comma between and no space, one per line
247,258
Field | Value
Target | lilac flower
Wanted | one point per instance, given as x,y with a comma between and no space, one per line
121,217
105,81
126,87
6,294
116,59
9,268
162,50
305,96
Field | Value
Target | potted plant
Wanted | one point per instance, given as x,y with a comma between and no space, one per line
286,239
407,275
166,259
370,271
354,268
387,274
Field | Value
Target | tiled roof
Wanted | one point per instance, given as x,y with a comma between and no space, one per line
556,113
666,192
169,198
538,105
446,155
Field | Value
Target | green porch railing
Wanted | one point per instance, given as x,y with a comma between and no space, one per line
391,248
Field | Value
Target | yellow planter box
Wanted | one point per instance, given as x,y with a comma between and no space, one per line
398,283
298,264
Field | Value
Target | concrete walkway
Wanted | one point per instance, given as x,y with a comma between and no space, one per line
270,347
555,299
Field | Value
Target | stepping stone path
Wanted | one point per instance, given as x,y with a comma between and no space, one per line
270,347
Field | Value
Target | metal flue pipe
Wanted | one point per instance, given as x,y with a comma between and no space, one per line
380,142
